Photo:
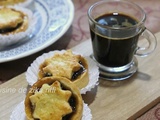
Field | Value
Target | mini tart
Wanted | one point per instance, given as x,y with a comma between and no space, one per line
12,21
68,65
54,98
16,25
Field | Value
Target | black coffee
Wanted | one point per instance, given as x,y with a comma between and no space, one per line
113,51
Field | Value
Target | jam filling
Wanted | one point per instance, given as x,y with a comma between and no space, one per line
72,102
7,30
79,72
47,74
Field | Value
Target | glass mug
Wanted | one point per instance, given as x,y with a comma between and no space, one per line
115,28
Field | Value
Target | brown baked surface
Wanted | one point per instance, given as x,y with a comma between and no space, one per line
66,65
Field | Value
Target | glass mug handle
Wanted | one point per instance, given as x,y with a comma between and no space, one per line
144,51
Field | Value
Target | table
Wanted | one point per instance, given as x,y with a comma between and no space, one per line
140,87
121,100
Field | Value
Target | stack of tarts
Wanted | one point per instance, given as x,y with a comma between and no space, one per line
16,23
56,94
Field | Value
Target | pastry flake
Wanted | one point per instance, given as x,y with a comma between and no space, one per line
51,102
54,98
62,65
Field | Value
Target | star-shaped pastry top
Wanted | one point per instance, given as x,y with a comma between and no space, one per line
62,64
10,18
51,102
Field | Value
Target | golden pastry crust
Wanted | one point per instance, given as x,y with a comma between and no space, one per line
12,21
54,108
10,2
68,65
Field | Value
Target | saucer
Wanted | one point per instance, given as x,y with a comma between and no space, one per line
120,73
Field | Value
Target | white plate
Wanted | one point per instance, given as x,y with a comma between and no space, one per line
19,112
54,18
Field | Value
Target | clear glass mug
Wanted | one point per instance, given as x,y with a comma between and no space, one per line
115,27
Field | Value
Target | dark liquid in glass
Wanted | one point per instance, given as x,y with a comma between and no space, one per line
110,51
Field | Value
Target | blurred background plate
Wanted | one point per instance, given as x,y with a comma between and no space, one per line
53,19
